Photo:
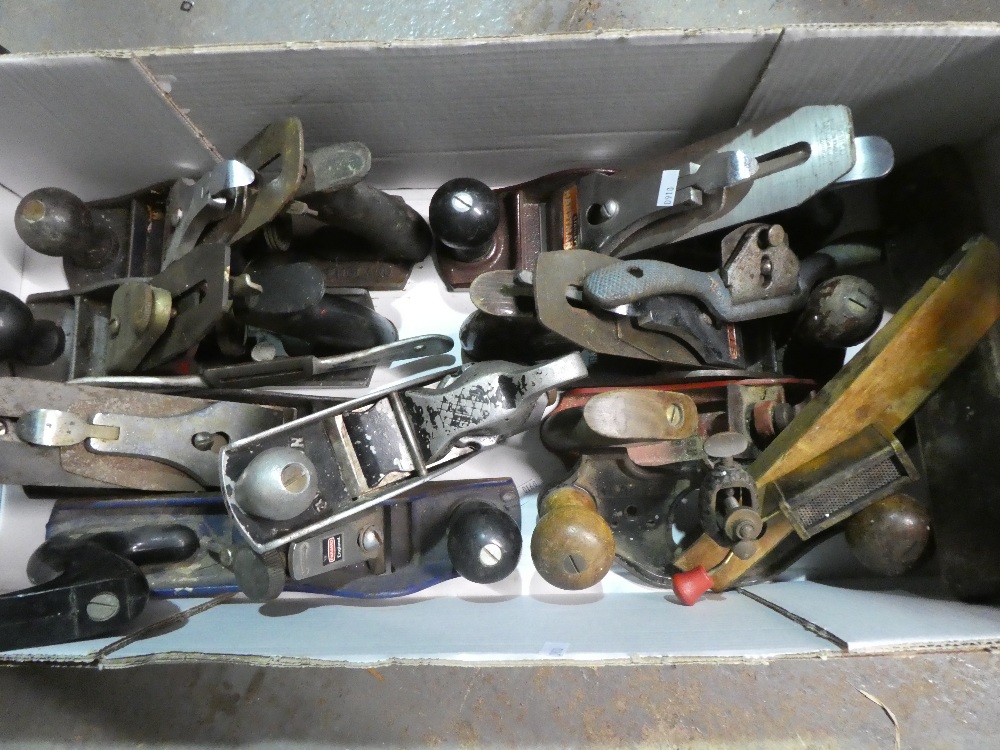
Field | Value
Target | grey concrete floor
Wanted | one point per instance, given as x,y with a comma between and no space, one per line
54,25
939,700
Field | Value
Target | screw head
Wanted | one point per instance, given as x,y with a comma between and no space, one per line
226,557
103,607
370,540
202,441
33,210
776,235
462,202
490,554
675,415
263,351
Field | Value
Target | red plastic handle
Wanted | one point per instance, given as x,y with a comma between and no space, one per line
690,585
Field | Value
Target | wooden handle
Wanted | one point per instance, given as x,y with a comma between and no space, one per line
572,546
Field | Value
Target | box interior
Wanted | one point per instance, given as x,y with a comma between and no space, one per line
106,124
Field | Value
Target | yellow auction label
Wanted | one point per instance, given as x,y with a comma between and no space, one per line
570,218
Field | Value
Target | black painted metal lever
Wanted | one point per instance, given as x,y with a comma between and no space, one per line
87,588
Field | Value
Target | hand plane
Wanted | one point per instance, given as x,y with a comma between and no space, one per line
643,458
88,585
289,484
285,329
930,207
60,435
729,179
659,311
412,541
851,421
206,282
246,202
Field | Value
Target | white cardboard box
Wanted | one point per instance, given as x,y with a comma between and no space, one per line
502,110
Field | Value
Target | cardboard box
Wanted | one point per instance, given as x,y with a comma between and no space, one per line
502,110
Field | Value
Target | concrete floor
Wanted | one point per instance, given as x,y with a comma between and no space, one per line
939,700
54,25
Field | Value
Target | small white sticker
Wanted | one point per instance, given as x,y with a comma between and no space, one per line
528,487
554,649
668,188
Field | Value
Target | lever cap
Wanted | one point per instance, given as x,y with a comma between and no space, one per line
278,484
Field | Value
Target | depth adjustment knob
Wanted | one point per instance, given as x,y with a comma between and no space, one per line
484,543
730,506
464,215
55,222
32,342
261,578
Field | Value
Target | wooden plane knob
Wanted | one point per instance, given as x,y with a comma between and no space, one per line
889,537
572,546
55,222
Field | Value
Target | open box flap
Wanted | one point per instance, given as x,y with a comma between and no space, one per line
883,615
505,109
523,629
918,86
97,126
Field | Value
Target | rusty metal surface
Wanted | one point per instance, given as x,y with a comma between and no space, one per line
596,331
281,141
940,701
21,395
519,237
